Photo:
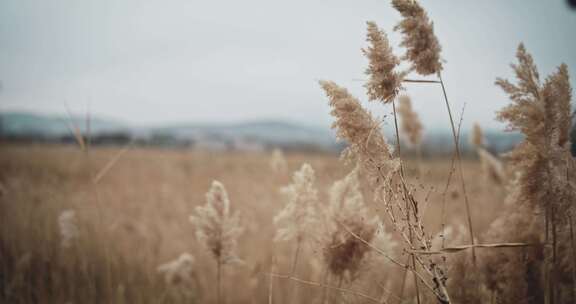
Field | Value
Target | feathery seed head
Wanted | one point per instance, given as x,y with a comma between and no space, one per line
68,227
346,200
179,271
422,46
557,94
278,162
344,254
492,166
356,126
216,228
477,138
452,235
411,125
384,83
542,113
299,214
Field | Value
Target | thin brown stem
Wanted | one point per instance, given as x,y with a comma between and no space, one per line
312,283
293,267
386,294
419,159
324,288
460,170
546,256
340,281
384,254
456,249
573,247
295,258
554,258
448,180
420,81
218,281
408,219
404,275
271,280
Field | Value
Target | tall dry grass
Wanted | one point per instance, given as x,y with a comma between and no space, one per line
146,199
93,225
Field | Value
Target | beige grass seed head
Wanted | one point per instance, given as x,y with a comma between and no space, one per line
296,219
68,225
422,46
278,162
361,131
542,113
477,137
344,254
216,227
410,122
540,187
179,271
492,167
384,82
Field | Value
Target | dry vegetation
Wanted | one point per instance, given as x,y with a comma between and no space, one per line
161,226
137,218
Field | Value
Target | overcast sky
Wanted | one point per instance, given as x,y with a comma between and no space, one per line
156,62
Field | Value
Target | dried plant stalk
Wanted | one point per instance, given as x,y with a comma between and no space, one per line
296,219
178,274
278,162
299,216
541,111
384,83
344,254
411,126
218,230
423,50
492,167
68,225
368,146
477,138
356,126
422,46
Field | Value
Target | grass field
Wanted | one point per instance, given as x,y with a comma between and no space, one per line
135,218
377,224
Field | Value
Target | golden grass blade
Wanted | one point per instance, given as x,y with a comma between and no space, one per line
405,266
420,81
460,170
406,80
455,249
75,129
111,163
312,283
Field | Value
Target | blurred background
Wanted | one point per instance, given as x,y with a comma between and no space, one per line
116,117
229,75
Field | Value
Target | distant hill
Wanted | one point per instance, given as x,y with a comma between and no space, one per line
256,135
273,132
253,135
22,124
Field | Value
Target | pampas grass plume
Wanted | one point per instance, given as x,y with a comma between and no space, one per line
422,46
384,82
216,227
477,137
68,225
278,162
491,166
296,219
178,271
411,125
542,113
344,254
361,131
